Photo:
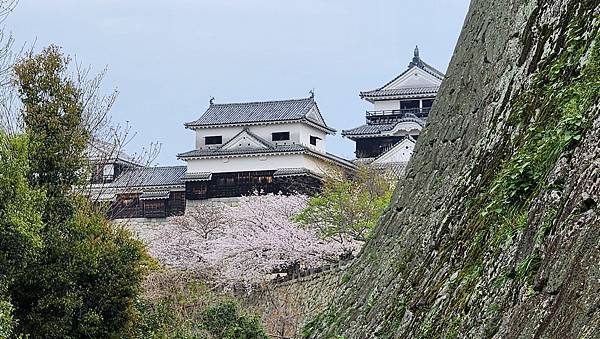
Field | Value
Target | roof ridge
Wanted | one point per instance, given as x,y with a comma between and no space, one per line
157,167
262,102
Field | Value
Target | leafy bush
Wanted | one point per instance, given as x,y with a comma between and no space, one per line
194,311
349,207
6,319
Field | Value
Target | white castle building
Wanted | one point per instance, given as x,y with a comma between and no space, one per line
400,110
269,146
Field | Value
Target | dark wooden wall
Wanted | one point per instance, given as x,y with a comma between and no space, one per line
237,184
129,205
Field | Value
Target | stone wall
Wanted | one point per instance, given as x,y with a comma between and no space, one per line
285,307
494,231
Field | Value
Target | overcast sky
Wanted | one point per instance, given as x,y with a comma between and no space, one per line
167,58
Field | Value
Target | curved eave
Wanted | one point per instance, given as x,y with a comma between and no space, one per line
241,155
363,136
323,156
373,98
325,129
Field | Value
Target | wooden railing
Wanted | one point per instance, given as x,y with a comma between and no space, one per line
406,112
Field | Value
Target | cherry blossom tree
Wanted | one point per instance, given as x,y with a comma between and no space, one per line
205,221
255,237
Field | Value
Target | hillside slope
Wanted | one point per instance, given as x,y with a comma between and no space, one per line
495,230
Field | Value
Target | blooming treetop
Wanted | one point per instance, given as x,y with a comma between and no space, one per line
245,242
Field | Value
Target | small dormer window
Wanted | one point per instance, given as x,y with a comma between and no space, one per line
313,140
281,136
214,140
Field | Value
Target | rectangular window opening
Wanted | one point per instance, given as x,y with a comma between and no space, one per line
314,140
427,103
214,140
281,136
409,104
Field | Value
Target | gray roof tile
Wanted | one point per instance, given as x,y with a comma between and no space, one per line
222,152
202,153
256,112
401,92
373,129
198,176
150,176
291,172
155,195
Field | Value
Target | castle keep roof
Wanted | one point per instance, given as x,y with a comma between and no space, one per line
261,112
395,90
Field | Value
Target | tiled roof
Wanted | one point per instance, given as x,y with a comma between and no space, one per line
402,92
371,129
199,176
296,148
155,195
221,152
292,172
416,62
256,112
150,176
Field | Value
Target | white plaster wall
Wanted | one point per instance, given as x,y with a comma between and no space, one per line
401,153
386,105
299,134
255,163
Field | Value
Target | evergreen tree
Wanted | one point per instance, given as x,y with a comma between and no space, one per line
20,223
87,274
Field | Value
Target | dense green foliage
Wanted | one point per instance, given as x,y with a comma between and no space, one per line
65,272
6,319
195,312
349,207
20,223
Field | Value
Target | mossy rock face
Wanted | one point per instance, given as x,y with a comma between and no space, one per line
506,245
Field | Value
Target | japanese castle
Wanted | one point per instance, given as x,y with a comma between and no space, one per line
241,148
271,146
400,110
267,147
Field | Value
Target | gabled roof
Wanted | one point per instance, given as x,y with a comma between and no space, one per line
261,112
246,139
388,91
379,129
150,177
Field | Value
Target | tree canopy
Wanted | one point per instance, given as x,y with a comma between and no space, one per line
65,272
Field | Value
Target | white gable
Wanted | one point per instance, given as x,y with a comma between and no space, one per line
401,152
244,140
406,127
414,77
315,115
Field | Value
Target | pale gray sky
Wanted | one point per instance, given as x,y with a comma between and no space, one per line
167,58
